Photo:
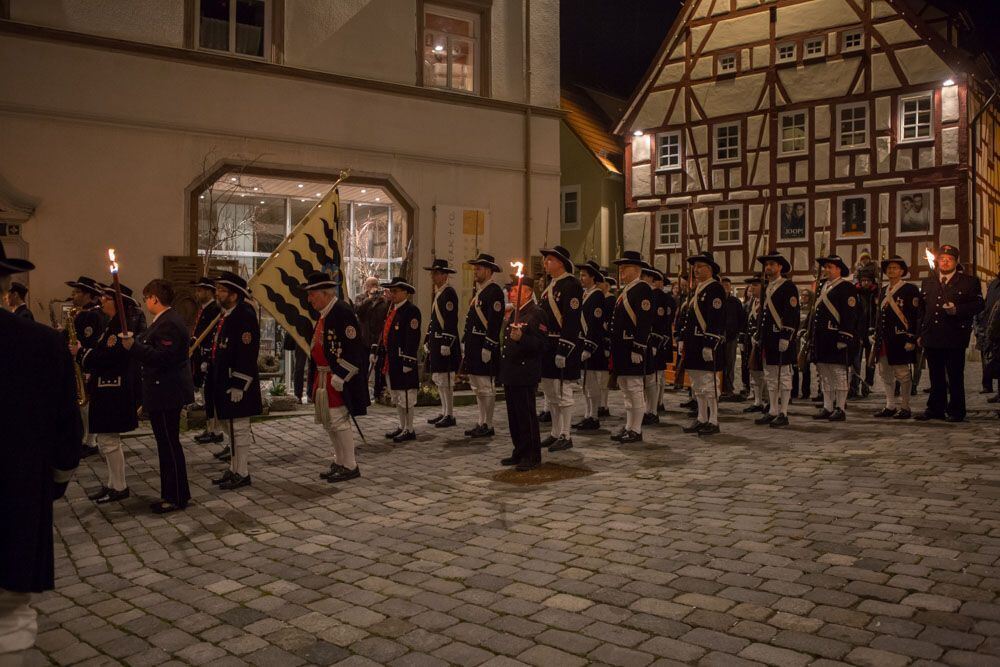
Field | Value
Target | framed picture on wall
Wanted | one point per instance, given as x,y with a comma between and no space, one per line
853,216
793,220
914,210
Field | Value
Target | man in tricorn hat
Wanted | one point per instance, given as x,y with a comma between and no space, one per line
481,341
208,311
894,341
702,336
630,328
834,342
592,339
89,323
398,349
952,300
441,343
560,304
777,328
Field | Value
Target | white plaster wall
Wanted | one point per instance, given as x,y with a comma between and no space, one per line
109,158
150,21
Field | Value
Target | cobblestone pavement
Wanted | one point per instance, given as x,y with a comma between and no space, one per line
869,543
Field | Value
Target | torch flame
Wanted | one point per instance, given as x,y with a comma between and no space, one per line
930,258
520,268
113,260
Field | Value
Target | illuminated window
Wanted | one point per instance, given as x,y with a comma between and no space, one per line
239,27
451,49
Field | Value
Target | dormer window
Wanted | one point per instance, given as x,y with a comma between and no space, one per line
727,64
852,40
815,47
786,53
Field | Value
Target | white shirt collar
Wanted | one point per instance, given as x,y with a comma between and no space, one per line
157,316
326,309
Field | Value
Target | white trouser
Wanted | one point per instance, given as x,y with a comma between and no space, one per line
779,387
88,437
445,385
901,373
758,387
593,390
406,404
605,392
239,440
651,391
18,622
704,390
632,387
342,437
833,382
110,445
484,387
559,395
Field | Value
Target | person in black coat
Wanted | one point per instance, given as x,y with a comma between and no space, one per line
520,373
441,344
734,326
481,342
340,391
660,345
838,312
631,324
111,377
609,287
162,351
398,350
593,340
778,325
233,378
894,338
753,365
41,449
17,297
702,337
89,323
952,301
560,304
206,317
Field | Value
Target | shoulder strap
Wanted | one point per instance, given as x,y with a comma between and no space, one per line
890,300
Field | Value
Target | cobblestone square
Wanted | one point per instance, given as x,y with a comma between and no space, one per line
870,543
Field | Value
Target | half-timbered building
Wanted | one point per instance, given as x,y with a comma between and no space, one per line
812,126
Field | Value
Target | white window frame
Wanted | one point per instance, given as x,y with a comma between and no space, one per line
814,40
916,97
782,60
574,189
805,130
668,245
680,151
844,48
739,225
725,57
477,46
232,33
840,127
715,143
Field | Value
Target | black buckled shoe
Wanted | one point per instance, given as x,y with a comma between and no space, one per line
884,413
588,424
649,419
391,435
753,408
953,419
619,435
226,476
224,453
99,493
445,422
549,440
694,427
838,415
603,412
345,475
236,481
335,469
475,430
630,437
709,429
206,438
822,414
902,414
763,420
560,445
405,436
509,461
544,417
113,496
779,422
690,403
435,420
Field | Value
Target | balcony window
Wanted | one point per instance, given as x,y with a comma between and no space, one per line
451,49
238,27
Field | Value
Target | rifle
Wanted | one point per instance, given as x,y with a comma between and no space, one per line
877,342
805,350
755,361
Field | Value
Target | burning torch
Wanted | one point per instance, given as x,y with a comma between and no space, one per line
519,266
119,305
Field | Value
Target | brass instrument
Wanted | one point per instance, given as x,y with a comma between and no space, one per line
81,385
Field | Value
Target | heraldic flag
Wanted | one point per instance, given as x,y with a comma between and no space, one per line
313,245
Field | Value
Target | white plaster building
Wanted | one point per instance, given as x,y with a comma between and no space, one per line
117,117
811,126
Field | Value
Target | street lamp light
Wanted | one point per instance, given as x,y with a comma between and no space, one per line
637,133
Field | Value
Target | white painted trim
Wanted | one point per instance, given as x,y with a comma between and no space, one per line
715,143
901,103
868,214
778,59
680,228
805,128
868,125
680,151
715,224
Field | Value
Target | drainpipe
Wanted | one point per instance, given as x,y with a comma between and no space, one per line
526,232
975,163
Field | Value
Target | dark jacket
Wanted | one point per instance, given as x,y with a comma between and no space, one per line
609,315
709,301
785,301
735,317
983,319
25,312
401,345
201,354
831,329
347,356
630,327
661,339
442,331
520,364
371,316
89,324
166,370
234,364
893,333
40,447
593,333
944,331
482,331
110,386
560,306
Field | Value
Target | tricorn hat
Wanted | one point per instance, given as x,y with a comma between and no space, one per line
10,265
652,271
631,258
400,283
896,259
560,253
705,258
594,269
233,281
206,283
318,280
834,259
85,283
775,256
485,260
440,265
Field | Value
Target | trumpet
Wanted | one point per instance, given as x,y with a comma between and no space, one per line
81,385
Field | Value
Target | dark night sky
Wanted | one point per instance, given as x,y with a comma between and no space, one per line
609,44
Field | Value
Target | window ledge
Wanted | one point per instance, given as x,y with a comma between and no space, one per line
921,140
661,170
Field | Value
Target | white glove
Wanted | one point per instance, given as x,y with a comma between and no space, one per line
486,356
371,359
461,346
560,361
680,347
783,345
445,351
707,354
235,395
636,358
653,351
909,347
337,382
407,369
841,345
204,367
871,340
584,355
427,348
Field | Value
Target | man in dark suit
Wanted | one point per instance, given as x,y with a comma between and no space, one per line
520,372
398,351
777,327
17,296
631,325
481,340
952,300
41,448
441,344
162,349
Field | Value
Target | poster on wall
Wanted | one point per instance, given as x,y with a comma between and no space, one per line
460,232
853,216
913,212
793,220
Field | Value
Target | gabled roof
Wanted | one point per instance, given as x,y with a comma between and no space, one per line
592,126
